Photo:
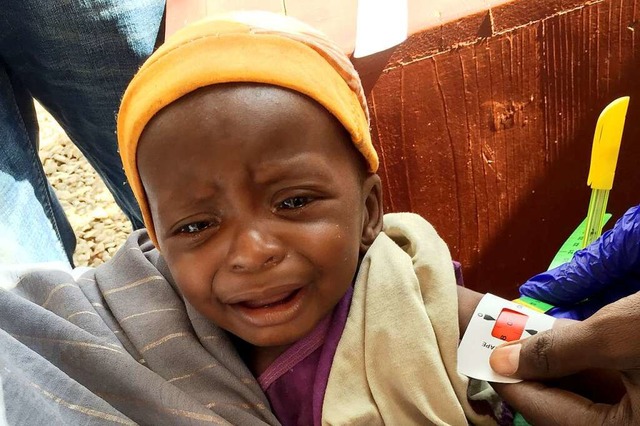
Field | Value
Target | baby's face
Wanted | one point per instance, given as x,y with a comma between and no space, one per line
260,205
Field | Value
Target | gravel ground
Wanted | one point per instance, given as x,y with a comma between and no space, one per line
99,225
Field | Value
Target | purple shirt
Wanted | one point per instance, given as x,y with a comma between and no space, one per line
296,381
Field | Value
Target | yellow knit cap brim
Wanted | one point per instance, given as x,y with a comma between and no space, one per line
214,52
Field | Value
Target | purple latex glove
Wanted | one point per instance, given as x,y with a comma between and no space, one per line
603,272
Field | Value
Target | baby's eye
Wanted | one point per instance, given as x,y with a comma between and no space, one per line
295,202
195,227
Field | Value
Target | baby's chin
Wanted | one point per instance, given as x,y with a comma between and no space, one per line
275,338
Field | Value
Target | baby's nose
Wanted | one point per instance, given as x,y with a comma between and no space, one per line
253,250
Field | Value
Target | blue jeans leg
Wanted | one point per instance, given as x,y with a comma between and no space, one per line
76,57
27,234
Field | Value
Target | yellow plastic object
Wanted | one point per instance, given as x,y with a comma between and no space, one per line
604,157
606,144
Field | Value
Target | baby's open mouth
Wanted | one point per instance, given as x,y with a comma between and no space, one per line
279,299
273,308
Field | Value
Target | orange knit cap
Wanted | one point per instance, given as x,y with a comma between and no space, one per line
257,47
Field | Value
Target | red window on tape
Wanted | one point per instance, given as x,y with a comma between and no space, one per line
509,325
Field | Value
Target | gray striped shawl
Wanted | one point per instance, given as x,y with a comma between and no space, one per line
120,346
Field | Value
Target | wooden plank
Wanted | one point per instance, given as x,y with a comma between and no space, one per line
491,140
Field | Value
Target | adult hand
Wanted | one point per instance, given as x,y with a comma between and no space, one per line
607,340
604,272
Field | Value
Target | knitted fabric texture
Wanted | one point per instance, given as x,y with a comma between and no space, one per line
252,47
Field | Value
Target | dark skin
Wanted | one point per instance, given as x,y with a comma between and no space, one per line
262,208
600,356
587,371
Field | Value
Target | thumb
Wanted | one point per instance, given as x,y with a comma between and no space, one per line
606,340
554,353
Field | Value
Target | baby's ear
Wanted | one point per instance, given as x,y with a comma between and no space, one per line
372,214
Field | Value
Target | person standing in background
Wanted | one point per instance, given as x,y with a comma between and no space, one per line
75,58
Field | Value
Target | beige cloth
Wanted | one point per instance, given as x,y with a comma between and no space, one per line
396,362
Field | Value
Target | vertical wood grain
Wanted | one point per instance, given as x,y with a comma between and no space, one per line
491,141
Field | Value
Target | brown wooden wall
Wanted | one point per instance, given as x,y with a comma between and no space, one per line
490,140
